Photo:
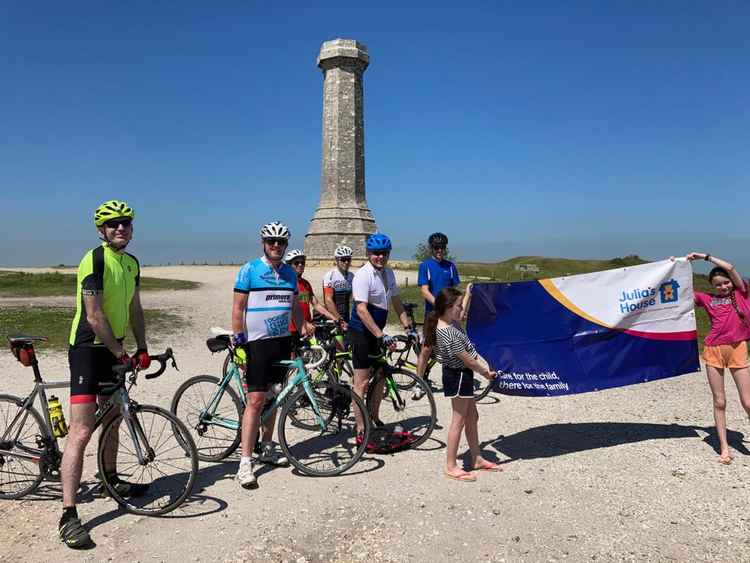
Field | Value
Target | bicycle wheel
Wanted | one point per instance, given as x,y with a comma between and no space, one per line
21,448
398,409
170,465
333,449
213,439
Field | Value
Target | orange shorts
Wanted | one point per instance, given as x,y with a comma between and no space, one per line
726,355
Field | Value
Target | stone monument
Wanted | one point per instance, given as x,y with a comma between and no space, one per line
342,216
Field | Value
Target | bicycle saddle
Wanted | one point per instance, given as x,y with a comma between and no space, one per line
16,339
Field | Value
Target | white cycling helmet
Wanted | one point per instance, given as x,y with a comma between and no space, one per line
292,254
275,230
343,252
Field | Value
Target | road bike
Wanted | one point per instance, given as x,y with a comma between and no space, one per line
140,444
391,408
316,427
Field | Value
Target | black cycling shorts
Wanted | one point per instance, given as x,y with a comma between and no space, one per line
262,356
89,366
364,348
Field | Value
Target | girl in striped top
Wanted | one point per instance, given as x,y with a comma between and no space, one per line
460,360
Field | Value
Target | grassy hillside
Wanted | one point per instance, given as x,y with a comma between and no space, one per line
24,284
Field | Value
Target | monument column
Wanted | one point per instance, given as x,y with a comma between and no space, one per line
342,216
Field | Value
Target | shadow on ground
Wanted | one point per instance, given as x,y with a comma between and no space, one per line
559,439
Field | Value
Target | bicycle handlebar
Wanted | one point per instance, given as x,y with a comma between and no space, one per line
320,350
121,370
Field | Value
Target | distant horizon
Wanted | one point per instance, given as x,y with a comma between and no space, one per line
741,261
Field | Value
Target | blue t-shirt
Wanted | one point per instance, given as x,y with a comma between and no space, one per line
437,275
269,300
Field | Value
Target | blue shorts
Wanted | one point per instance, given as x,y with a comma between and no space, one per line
458,383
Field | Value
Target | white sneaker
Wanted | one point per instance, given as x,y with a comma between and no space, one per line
246,476
268,454
418,394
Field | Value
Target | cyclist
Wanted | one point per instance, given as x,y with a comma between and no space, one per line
107,302
337,285
305,296
373,287
265,299
435,273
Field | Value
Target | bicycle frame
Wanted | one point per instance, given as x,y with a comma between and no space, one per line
234,374
120,397
40,387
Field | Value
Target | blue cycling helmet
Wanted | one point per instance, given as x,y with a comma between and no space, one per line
378,241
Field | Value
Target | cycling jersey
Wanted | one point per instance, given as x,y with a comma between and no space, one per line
304,298
114,275
340,287
376,288
437,275
270,292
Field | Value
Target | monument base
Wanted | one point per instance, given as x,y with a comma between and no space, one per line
334,226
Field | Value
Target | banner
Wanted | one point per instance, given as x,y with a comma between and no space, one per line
587,332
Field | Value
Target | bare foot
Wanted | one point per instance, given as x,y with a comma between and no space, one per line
725,459
459,475
482,464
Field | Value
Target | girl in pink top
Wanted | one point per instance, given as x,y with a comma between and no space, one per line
728,309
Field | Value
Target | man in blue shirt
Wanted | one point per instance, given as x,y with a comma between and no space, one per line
435,273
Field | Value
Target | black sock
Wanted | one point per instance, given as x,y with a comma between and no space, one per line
69,513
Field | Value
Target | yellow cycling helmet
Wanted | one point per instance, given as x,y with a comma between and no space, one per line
112,209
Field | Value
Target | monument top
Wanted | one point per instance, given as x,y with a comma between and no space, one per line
343,48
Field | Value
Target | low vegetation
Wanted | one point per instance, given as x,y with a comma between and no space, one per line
54,323
25,284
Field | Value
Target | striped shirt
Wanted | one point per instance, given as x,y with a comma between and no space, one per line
451,340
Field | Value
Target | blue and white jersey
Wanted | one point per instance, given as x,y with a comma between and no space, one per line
270,296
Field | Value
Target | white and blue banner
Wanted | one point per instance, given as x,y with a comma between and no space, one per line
587,332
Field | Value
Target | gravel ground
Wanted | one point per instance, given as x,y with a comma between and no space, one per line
625,474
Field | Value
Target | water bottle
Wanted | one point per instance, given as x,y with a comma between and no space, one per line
57,418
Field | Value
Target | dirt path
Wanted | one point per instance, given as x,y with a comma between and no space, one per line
624,474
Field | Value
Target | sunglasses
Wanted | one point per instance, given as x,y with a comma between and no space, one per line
278,241
385,253
345,260
298,263
114,223
439,247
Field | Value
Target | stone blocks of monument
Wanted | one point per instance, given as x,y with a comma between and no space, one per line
342,216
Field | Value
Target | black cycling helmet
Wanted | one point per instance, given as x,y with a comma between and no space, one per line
437,239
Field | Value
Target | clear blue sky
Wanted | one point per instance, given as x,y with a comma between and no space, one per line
582,129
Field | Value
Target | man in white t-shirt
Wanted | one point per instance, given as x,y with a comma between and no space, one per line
373,287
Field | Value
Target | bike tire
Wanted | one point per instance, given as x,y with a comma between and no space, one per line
180,449
417,417
482,387
213,443
297,410
13,468
304,447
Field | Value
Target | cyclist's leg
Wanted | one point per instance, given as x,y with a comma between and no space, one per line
79,434
280,350
361,363
88,366
377,398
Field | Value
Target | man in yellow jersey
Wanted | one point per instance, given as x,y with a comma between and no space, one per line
107,303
